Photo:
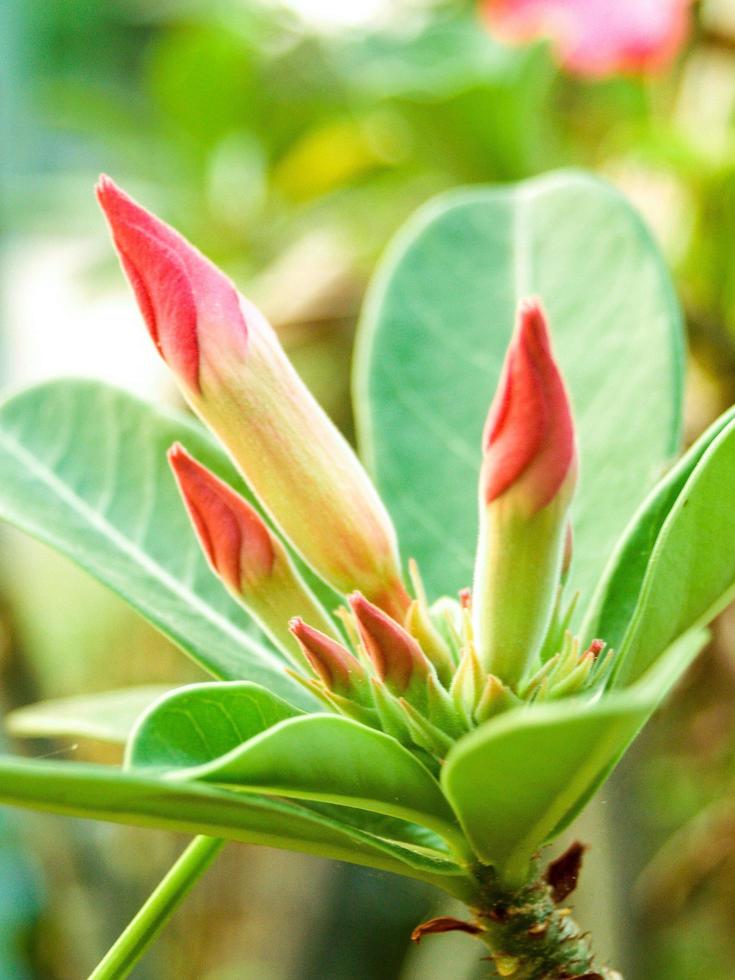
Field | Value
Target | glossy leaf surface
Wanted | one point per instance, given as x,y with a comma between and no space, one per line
83,468
614,602
201,722
335,760
104,793
434,334
691,574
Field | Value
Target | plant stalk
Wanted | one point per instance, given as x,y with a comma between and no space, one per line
530,937
158,909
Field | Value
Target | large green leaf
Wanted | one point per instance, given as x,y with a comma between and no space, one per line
104,793
518,780
433,337
334,760
691,573
201,722
108,715
614,602
83,468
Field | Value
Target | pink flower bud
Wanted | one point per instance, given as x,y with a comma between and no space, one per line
334,665
235,375
244,552
398,659
529,433
597,37
178,290
526,484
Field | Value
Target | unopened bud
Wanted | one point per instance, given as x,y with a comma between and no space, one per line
235,375
246,555
527,481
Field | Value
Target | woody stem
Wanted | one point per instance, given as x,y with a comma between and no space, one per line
530,937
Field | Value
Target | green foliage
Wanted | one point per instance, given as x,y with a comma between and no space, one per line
331,760
103,793
519,780
83,468
434,334
201,722
108,716
691,574
614,603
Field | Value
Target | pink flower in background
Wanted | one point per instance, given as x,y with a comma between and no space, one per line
597,37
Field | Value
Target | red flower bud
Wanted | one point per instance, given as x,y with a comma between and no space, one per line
244,552
397,657
177,288
529,435
332,663
526,485
237,378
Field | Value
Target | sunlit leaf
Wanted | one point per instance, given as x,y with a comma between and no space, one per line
83,468
104,793
108,716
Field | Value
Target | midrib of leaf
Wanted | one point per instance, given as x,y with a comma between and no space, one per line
130,548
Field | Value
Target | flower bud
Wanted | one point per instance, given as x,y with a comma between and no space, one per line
332,663
245,554
234,373
526,485
398,659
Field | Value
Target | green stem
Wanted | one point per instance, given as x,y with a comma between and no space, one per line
530,938
153,916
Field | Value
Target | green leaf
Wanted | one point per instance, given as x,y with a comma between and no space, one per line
334,760
518,780
104,793
691,572
83,468
108,716
434,333
201,722
615,599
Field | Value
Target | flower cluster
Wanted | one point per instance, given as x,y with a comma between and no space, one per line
424,673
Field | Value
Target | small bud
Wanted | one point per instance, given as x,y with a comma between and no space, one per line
494,699
245,554
398,659
235,375
468,683
332,663
527,481
419,624
424,734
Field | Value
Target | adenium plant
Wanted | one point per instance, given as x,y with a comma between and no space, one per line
374,715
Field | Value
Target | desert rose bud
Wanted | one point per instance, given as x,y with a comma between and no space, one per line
245,554
526,485
235,375
396,656
332,663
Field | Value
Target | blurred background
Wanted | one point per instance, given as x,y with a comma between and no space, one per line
289,140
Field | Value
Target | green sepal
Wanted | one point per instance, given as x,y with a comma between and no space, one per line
519,779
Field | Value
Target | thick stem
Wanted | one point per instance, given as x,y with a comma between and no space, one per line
153,916
530,938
